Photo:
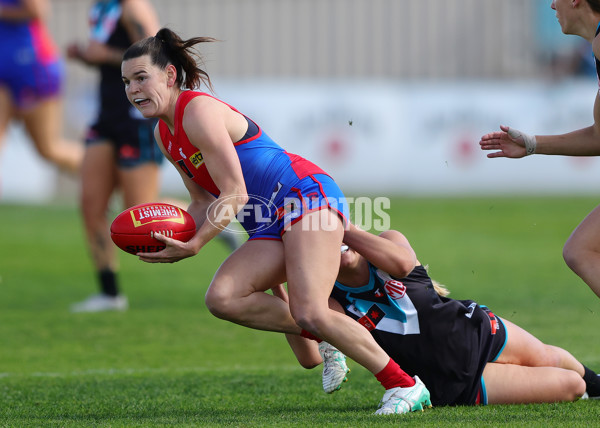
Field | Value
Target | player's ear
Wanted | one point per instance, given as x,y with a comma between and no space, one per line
171,75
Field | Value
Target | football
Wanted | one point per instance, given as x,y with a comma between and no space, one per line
133,230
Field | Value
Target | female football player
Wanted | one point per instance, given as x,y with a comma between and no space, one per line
462,351
120,152
582,250
292,210
31,80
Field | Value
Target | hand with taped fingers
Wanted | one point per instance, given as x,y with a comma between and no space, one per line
175,250
509,143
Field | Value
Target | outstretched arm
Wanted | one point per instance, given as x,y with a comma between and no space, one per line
510,143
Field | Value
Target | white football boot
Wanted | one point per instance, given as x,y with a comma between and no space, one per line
101,303
405,400
334,367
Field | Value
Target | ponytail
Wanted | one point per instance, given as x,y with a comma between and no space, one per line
168,48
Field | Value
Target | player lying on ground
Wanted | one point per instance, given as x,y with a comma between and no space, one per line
463,352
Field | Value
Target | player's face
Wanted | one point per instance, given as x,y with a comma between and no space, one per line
564,10
146,86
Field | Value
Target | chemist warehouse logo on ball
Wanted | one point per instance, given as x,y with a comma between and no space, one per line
260,213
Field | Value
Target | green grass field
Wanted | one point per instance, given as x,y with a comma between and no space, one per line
168,362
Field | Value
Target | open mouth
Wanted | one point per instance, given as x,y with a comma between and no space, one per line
141,101
344,248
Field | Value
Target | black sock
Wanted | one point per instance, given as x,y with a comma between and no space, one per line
592,382
108,282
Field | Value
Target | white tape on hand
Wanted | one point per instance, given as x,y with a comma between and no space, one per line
529,140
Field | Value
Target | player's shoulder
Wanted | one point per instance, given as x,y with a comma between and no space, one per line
199,105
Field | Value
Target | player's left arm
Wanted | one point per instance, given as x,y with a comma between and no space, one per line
140,21
389,251
582,142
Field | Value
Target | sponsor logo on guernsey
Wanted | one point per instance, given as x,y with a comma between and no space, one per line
373,316
471,309
181,153
197,160
395,289
170,146
156,213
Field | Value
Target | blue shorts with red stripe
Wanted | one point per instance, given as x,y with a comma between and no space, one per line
270,219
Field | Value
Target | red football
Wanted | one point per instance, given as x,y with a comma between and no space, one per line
133,229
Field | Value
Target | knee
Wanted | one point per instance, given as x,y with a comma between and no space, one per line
219,301
47,151
573,385
309,319
571,254
577,255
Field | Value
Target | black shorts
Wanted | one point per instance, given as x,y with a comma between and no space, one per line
133,140
498,342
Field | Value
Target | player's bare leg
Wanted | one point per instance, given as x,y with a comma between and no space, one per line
238,290
509,383
140,184
312,258
523,348
6,112
98,182
529,371
582,250
44,124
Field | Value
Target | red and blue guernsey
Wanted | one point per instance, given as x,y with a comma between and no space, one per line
281,186
31,66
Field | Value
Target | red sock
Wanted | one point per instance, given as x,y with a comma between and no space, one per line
309,335
392,376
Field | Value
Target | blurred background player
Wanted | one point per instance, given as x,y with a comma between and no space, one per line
31,81
120,151
463,352
582,250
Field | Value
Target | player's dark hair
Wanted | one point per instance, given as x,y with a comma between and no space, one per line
594,5
168,48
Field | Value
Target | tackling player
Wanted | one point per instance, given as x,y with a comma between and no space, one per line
462,351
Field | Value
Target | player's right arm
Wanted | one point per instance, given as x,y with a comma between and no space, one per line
583,142
510,143
200,201
200,198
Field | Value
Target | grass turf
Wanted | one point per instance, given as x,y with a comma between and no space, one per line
168,362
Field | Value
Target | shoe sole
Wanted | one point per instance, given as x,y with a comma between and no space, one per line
340,385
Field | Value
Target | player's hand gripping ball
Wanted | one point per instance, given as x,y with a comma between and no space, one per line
133,230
